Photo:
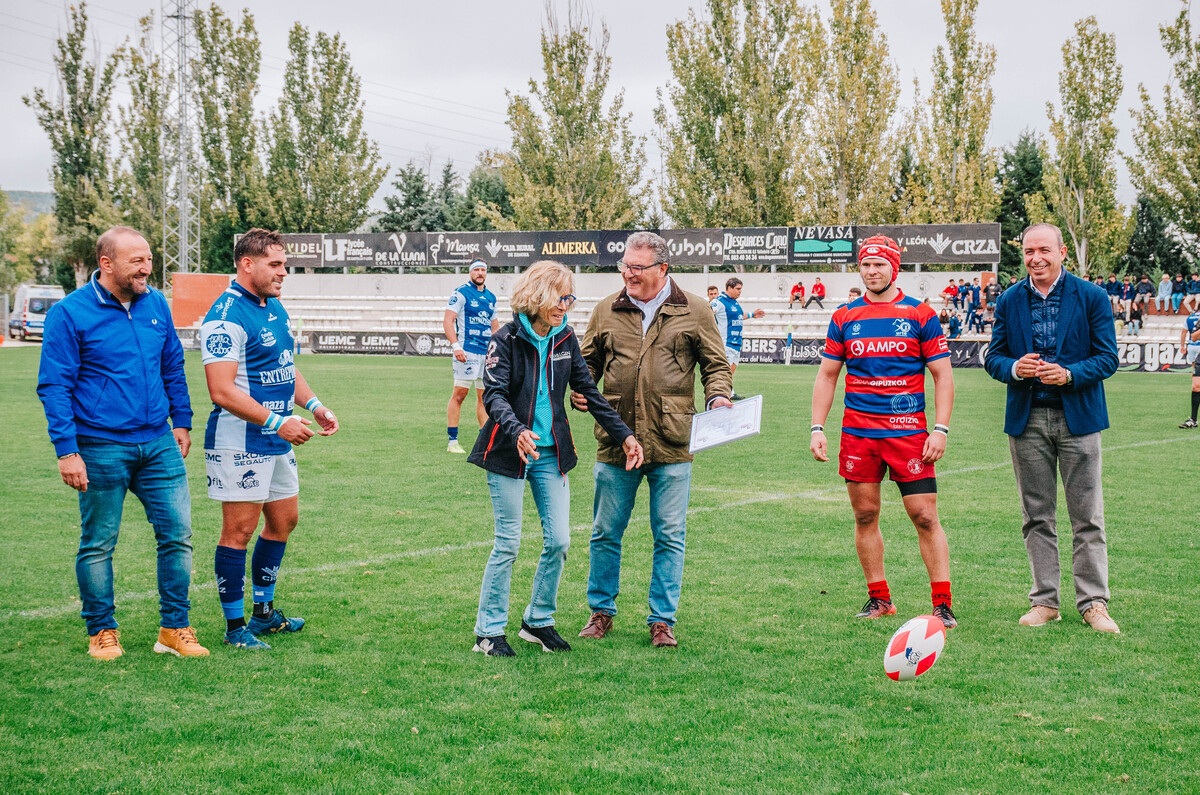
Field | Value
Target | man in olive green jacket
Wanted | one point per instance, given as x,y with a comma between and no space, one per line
644,344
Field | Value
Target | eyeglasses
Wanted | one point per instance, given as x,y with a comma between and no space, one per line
566,301
636,270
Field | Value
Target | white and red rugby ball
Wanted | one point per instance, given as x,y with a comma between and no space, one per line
914,648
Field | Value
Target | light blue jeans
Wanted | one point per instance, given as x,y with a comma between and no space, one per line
670,487
552,494
154,471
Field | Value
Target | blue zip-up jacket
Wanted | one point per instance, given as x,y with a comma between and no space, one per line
111,373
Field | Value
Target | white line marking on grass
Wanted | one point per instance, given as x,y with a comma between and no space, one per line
822,495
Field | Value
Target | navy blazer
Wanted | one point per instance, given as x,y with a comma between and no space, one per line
1086,345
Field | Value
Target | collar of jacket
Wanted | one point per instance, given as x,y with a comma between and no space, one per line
559,334
675,299
105,298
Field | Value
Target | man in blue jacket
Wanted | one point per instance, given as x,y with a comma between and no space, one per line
1053,344
111,376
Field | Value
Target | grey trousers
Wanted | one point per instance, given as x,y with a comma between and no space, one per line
1044,442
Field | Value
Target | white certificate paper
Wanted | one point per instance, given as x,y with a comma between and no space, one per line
724,425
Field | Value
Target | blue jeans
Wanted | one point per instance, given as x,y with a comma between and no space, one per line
552,494
670,486
154,471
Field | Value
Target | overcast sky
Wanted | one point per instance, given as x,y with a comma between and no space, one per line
435,74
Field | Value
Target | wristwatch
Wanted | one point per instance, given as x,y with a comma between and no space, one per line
68,455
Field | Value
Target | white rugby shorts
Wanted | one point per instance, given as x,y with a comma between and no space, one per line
469,373
732,355
236,476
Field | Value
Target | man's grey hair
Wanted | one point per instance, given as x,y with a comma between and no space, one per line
662,252
1043,225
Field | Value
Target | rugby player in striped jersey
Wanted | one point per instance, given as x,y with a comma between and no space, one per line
886,340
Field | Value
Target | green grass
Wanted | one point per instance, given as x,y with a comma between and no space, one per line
774,686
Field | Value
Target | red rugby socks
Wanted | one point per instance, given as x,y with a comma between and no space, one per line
941,593
879,590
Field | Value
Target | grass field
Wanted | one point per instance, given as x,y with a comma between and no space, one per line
774,687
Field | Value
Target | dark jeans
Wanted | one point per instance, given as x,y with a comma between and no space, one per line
154,471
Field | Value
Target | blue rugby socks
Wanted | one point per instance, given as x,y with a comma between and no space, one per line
452,432
230,566
264,565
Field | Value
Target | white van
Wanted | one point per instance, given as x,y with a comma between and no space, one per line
29,313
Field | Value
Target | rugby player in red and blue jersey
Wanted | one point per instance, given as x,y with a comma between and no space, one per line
886,340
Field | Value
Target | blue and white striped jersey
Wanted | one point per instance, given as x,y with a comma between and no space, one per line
475,309
730,318
240,329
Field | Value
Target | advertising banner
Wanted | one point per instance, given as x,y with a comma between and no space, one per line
508,249
454,248
695,246
612,246
570,248
756,246
400,249
927,244
831,244
397,343
304,250
350,249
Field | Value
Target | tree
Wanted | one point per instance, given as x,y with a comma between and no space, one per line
77,122
1154,247
138,183
961,185
737,99
1080,180
322,169
1167,166
846,163
485,188
416,207
12,270
37,249
573,164
1021,176
226,72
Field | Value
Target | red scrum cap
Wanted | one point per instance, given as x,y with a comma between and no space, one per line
882,247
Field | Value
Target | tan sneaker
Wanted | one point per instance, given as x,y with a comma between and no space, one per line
1039,615
180,641
105,645
597,626
1098,619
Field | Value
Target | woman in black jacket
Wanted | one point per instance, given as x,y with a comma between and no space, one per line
529,365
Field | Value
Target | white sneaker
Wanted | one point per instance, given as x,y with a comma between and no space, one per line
455,447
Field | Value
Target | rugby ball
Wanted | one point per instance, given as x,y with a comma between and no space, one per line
914,648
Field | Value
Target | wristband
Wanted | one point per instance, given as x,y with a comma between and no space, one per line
817,429
944,430
313,404
275,422
456,346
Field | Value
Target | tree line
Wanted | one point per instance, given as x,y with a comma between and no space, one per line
774,114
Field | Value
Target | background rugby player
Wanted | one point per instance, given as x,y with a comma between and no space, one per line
246,345
469,323
730,319
1189,340
886,340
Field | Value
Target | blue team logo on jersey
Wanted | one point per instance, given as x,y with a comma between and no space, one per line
904,404
904,328
248,480
266,337
219,344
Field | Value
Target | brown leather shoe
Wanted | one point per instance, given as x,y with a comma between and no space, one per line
661,635
597,626
181,642
105,645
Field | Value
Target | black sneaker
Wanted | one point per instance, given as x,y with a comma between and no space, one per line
546,637
1189,424
877,608
944,612
493,647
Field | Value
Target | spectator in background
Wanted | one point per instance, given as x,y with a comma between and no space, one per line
950,293
854,294
1143,292
991,293
964,290
797,294
976,293
1126,295
1192,302
1163,299
974,319
1133,323
1178,291
714,291
951,325
1113,288
817,294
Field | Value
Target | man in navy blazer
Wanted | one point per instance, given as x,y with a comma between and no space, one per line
1053,344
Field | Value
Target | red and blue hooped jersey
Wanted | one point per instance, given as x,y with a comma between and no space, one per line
885,348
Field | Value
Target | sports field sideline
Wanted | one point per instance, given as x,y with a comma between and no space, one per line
774,687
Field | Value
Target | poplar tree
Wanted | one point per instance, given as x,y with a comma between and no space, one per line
960,167
1080,180
848,153
573,164
78,122
1166,167
731,115
321,167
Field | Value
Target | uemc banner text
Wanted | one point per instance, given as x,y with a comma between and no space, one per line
964,244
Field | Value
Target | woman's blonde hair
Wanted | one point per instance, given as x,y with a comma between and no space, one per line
539,289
